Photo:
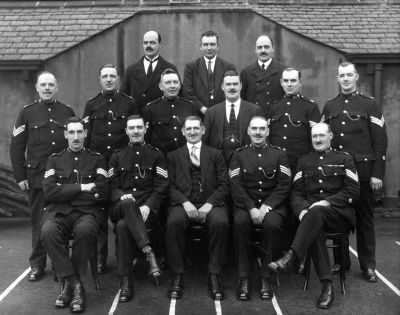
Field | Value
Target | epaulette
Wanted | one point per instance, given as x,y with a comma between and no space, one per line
331,99
185,99
344,152
277,101
96,96
27,105
126,95
307,99
153,101
153,147
366,96
93,152
242,148
59,153
276,147
66,105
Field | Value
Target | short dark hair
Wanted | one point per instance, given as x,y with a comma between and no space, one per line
345,64
209,34
132,117
109,65
192,118
231,73
71,120
292,69
169,71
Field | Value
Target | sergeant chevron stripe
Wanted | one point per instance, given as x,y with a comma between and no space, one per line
162,171
17,131
102,171
298,176
110,172
49,173
379,122
235,172
352,175
285,170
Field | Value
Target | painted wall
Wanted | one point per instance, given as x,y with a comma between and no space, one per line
77,68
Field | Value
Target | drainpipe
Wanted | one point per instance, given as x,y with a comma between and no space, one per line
378,83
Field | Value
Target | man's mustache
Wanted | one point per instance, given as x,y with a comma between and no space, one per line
149,49
232,90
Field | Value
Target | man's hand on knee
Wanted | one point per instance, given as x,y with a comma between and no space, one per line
145,211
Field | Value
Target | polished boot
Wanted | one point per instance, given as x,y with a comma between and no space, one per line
215,287
285,264
176,287
126,289
65,296
370,275
36,274
326,298
266,289
154,269
78,302
243,289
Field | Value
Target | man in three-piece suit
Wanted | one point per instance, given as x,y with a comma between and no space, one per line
261,80
203,77
198,191
141,79
226,123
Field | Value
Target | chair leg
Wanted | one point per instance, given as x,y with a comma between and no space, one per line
93,267
307,269
343,263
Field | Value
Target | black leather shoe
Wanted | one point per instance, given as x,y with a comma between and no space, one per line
370,275
327,296
126,289
101,268
301,267
154,269
336,268
65,296
266,289
176,288
215,287
243,289
285,264
78,303
36,274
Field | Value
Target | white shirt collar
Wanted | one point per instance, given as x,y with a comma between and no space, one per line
212,60
228,108
197,145
266,64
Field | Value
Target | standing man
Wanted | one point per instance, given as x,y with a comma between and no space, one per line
39,130
291,119
260,80
164,116
75,184
198,192
141,79
203,77
105,118
226,122
359,128
324,189
260,181
139,182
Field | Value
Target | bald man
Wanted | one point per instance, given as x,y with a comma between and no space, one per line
142,78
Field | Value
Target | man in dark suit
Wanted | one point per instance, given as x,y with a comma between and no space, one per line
142,78
198,192
203,77
261,80
324,189
226,123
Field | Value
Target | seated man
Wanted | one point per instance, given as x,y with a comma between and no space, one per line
75,185
198,192
325,186
260,180
139,182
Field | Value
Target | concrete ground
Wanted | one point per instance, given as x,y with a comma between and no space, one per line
361,298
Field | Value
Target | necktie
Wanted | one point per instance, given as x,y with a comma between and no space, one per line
263,66
232,116
193,156
209,69
150,68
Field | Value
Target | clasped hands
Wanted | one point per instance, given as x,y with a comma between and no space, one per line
257,215
195,214
144,210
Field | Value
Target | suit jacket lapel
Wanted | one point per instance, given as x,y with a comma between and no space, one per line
140,73
184,163
218,72
202,70
242,117
220,121
204,161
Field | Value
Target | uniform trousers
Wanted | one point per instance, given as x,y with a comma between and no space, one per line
310,237
55,230
36,203
217,223
243,226
365,228
131,232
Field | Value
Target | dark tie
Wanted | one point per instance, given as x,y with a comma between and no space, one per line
209,69
150,68
263,67
193,157
232,116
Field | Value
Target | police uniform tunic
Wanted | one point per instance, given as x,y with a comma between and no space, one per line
359,128
165,118
137,169
105,117
330,176
291,119
72,210
39,130
258,176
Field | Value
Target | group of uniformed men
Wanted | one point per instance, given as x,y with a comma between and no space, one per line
149,158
